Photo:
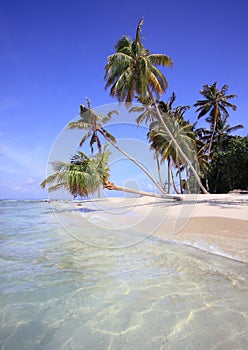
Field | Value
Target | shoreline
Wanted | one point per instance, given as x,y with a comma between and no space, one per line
216,224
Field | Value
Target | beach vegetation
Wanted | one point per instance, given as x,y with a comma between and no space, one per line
229,168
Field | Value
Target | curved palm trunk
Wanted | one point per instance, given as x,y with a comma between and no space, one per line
159,171
112,187
135,162
174,183
183,155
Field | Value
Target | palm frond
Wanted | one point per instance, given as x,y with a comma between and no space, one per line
85,137
160,60
108,116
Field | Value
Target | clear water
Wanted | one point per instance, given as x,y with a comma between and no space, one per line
59,293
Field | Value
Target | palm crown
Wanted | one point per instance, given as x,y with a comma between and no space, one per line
216,104
132,69
93,123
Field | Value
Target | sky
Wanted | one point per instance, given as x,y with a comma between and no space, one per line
53,54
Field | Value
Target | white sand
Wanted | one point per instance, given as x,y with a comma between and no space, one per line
214,223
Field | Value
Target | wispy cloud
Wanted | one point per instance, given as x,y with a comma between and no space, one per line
22,160
31,181
22,170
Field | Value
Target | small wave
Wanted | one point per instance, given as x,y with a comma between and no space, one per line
209,248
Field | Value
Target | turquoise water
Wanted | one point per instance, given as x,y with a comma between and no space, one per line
59,293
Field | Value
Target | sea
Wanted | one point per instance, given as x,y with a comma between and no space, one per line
59,292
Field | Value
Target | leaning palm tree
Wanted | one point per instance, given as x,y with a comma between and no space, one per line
216,104
83,175
132,70
93,123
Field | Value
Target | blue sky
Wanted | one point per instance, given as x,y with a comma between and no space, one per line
53,55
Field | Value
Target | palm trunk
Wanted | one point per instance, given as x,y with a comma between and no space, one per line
180,178
211,141
169,173
135,162
214,127
174,183
112,187
183,155
187,177
209,151
159,171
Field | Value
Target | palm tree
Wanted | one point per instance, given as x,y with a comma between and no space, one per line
81,176
162,143
222,132
216,104
93,123
148,114
132,70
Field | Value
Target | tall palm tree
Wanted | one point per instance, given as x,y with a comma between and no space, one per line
215,104
132,70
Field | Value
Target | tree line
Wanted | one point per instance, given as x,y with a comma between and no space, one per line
206,158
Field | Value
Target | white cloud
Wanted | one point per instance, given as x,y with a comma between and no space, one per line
31,181
23,160
16,188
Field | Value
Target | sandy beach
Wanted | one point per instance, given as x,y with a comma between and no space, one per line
217,224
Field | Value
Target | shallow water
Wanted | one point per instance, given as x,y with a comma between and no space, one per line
59,293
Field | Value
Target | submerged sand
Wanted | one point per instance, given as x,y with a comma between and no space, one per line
214,223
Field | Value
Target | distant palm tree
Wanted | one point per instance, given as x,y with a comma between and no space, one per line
132,70
161,142
216,104
93,123
222,134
